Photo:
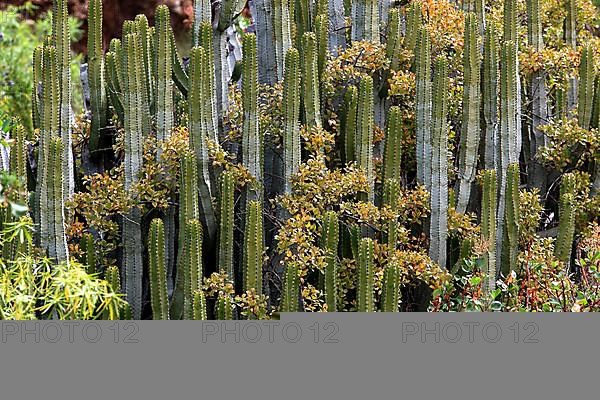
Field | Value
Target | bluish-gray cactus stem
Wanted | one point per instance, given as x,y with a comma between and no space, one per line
423,107
164,83
283,33
365,20
292,151
202,13
490,96
337,24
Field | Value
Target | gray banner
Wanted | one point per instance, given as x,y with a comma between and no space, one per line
306,356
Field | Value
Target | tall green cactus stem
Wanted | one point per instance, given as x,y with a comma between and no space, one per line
394,38
366,273
283,34
210,109
226,225
570,34
57,247
337,31
202,14
329,243
252,142
200,125
254,247
490,96
290,289
38,67
141,27
510,21
439,169
391,194
322,33
200,306
224,307
302,15
469,141
364,134
191,265
158,271
114,68
423,107
98,99
18,157
88,247
488,227
507,141
391,288
511,34
134,102
113,277
292,151
511,220
414,22
348,122
392,160
566,227
365,20
62,42
310,81
164,83
587,76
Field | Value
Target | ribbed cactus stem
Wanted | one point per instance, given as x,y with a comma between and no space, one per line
224,307
57,247
18,156
566,228
490,96
391,288
200,306
394,38
310,80
252,141
329,242
322,33
571,23
98,99
209,98
364,134
393,146
253,247
191,265
348,122
202,14
587,75
423,107
391,194
414,22
366,273
292,151
36,104
469,141
113,277
141,27
290,289
201,129
511,220
114,69
510,20
158,272
226,225
164,83
88,247
488,227
283,34
365,20
439,168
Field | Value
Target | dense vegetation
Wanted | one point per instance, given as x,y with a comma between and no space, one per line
360,156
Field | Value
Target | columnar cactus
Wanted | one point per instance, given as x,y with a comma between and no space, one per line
570,34
566,228
348,122
510,21
364,134
202,14
200,306
141,27
490,96
226,225
158,271
423,107
224,307
253,247
190,265
488,227
57,246
290,289
38,67
337,31
365,20
469,141
586,87
393,146
391,288
88,247
164,83
322,33
112,276
18,156
511,220
391,194
201,129
329,242
366,273
283,34
439,169
114,74
394,38
414,22
252,141
292,151
310,81
98,99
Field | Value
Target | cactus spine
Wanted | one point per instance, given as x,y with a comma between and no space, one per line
98,99
310,81
158,272
586,87
226,225
566,227
511,220
291,289
200,125
439,169
365,298
291,105
283,34
254,247
164,83
423,107
329,242
393,146
364,134
391,288
252,142
488,227
469,141
490,96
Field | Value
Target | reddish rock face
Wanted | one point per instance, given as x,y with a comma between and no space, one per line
117,11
